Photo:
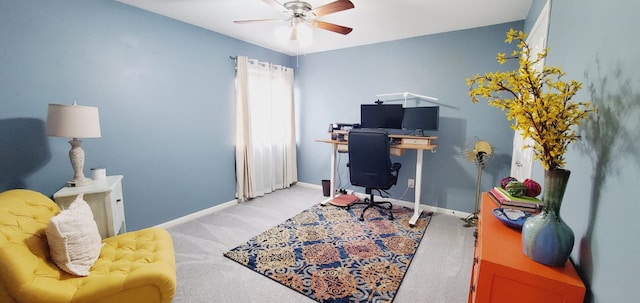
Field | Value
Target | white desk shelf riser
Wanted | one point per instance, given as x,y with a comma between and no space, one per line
106,202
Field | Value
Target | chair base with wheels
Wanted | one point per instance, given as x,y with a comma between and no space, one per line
370,202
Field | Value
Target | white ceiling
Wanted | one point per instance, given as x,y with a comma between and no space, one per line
372,21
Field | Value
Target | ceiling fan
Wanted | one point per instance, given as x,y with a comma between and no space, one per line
300,12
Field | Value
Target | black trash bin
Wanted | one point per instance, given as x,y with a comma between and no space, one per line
326,188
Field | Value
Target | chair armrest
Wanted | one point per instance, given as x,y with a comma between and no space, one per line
395,170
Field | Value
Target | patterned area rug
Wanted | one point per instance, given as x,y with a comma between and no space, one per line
328,255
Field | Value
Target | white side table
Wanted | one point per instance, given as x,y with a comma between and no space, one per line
106,202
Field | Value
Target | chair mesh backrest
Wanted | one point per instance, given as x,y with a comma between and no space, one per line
369,159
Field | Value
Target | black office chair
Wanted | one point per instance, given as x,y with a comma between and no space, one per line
370,166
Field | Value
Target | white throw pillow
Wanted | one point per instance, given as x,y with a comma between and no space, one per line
74,239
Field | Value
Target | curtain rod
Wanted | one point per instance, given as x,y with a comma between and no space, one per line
235,59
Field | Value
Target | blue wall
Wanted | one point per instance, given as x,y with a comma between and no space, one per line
165,93
336,83
596,42
164,90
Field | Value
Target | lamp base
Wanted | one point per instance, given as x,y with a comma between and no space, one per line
471,220
76,155
79,182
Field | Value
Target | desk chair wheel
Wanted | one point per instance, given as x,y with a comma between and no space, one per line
390,211
375,204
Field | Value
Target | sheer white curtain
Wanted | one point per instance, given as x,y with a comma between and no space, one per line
265,128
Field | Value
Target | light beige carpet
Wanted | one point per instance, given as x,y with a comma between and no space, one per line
439,272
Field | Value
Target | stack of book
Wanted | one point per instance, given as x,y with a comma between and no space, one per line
505,200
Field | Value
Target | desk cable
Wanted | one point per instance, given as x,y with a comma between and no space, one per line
402,196
339,175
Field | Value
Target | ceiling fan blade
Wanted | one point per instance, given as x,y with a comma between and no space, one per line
332,7
331,27
276,4
257,21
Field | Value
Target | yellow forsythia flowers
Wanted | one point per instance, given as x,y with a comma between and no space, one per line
538,100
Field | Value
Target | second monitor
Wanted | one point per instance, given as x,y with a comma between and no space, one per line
421,118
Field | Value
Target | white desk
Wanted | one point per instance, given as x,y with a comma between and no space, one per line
419,144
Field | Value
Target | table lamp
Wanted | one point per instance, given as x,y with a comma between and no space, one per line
74,121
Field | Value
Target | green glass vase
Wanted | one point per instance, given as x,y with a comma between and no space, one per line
546,238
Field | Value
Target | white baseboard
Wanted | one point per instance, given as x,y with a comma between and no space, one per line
213,209
440,210
216,208
424,207
309,185
198,214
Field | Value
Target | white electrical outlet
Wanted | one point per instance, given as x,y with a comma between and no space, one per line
412,183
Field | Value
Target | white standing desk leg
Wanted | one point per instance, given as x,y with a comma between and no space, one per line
332,188
416,209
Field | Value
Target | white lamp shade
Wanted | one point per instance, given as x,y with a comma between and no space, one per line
73,121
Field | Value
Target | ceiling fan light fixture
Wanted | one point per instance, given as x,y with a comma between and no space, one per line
296,32
305,35
283,34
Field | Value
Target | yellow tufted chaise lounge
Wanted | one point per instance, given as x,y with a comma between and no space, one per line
133,267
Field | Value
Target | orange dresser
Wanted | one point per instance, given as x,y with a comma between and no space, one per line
502,273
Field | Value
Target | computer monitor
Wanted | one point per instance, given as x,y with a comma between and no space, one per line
381,116
425,118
